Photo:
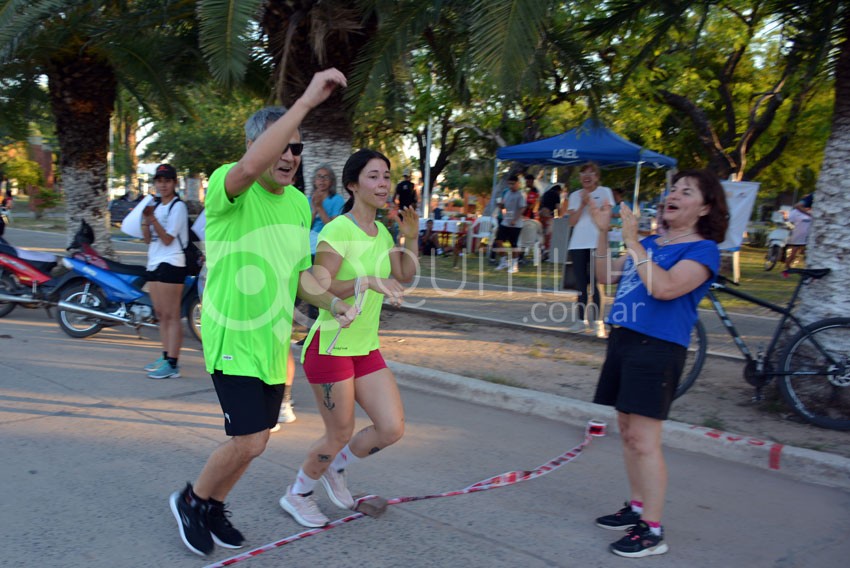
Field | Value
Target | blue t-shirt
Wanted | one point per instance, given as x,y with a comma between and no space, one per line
670,320
332,204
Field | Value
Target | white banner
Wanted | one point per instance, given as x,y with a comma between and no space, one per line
740,196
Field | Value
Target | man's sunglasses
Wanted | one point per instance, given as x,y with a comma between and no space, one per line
296,149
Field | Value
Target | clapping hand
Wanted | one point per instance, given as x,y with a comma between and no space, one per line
630,224
601,215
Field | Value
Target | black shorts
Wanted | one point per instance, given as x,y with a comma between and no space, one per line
510,234
640,374
249,404
167,273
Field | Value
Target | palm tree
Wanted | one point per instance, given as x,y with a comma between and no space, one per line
87,50
370,41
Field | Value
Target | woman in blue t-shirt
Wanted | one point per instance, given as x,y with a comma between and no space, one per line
660,280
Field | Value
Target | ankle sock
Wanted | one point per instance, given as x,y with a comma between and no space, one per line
172,361
654,528
344,458
637,506
304,484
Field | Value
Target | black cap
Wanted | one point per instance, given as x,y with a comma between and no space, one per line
166,171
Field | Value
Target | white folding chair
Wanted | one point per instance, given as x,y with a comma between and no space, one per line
530,237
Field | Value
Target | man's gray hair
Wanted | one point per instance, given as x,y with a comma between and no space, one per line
261,120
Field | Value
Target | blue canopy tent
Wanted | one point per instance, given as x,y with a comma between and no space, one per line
589,142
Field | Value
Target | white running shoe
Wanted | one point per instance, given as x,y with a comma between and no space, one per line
303,509
286,416
514,266
336,487
503,264
601,332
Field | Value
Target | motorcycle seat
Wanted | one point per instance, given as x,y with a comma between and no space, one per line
121,268
45,262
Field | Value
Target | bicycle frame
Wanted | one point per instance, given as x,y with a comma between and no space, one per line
787,313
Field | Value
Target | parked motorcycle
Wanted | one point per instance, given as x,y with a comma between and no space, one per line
30,278
110,297
777,240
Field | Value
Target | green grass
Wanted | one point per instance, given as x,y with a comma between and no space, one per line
771,286
714,422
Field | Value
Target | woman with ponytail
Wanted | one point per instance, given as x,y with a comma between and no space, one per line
357,260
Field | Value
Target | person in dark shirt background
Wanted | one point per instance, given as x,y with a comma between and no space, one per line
405,193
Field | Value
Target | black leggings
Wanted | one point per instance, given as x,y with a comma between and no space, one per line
581,267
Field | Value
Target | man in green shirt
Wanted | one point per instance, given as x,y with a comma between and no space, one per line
258,256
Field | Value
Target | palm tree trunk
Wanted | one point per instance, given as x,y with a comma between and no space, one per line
82,91
829,239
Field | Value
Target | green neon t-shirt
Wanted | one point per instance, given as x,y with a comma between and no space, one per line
256,246
362,255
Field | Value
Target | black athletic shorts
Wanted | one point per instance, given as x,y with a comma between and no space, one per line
510,234
167,273
640,374
249,404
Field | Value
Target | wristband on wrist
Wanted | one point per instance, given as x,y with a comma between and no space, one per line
334,300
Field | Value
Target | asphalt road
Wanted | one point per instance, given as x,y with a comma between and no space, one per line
92,449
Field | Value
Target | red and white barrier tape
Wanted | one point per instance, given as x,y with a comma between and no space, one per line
594,429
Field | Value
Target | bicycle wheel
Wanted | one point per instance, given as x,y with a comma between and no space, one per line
816,379
771,257
694,360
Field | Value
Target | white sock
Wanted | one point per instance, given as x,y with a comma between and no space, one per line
304,484
344,459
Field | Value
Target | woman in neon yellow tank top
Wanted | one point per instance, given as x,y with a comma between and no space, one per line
357,260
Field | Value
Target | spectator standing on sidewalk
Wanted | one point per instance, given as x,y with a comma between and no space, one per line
532,197
405,193
258,256
661,281
507,235
582,242
549,204
358,261
165,229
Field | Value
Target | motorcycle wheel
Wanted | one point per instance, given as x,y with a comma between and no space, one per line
193,318
7,285
80,325
771,257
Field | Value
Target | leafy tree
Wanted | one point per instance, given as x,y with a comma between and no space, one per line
210,136
735,83
86,50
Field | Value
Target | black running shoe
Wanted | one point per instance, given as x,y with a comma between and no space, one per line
191,515
639,542
623,519
223,533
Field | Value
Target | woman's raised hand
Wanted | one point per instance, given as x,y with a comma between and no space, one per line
408,223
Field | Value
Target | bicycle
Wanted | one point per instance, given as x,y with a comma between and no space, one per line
814,368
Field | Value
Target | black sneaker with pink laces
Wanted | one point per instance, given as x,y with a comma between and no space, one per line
640,542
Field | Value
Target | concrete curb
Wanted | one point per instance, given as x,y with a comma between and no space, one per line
532,327
798,463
